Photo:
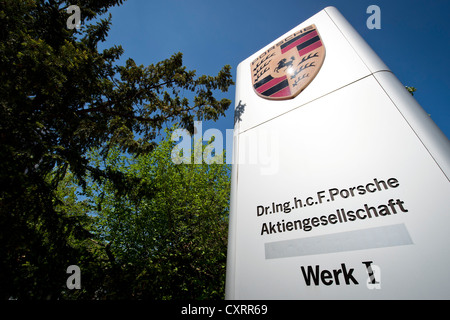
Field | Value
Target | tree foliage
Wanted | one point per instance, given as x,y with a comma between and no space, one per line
411,89
167,238
59,98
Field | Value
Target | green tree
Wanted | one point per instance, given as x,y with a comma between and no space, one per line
167,239
411,89
59,97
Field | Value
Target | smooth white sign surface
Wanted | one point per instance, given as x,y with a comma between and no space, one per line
342,192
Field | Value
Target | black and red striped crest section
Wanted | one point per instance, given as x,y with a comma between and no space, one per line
273,87
285,69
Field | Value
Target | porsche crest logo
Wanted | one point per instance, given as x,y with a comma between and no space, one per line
288,67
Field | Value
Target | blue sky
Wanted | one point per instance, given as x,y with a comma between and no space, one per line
413,40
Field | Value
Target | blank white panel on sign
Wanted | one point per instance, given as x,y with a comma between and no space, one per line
341,192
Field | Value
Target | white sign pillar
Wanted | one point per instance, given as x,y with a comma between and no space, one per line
341,192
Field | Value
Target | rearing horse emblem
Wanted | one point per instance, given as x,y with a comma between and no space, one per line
283,64
288,67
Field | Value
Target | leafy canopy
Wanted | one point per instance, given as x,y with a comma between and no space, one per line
168,237
60,96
